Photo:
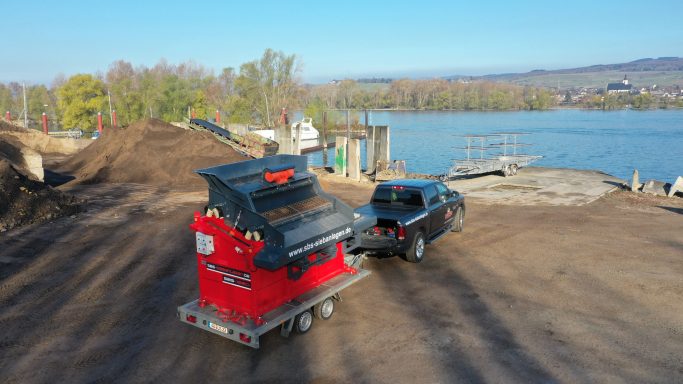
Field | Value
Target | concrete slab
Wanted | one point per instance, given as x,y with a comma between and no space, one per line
677,186
539,186
656,187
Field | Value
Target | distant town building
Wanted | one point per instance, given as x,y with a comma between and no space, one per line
623,87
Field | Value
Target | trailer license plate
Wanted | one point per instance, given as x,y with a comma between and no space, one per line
217,327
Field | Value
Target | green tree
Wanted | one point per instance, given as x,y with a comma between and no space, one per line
39,101
79,99
6,100
267,85
126,97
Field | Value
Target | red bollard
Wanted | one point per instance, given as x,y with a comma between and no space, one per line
45,123
194,114
218,117
8,116
99,122
113,117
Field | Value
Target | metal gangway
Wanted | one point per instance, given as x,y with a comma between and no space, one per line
493,155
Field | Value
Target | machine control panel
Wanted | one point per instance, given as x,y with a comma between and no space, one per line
204,244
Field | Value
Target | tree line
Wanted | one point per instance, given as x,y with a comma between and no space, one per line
254,93
627,100
431,94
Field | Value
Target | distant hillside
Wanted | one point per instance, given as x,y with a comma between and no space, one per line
643,72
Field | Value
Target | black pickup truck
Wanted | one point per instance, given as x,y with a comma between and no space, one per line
411,213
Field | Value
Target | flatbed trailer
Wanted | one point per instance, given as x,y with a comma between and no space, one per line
507,164
285,316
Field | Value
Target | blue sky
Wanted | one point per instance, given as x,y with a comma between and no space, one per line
335,39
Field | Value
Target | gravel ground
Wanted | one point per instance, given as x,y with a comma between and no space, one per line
525,294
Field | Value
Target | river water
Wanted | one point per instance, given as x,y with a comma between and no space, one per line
614,142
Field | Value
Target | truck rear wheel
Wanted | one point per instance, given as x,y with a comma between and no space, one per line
416,252
303,321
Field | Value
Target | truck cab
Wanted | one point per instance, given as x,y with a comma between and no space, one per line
410,214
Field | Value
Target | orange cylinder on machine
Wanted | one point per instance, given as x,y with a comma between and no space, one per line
230,282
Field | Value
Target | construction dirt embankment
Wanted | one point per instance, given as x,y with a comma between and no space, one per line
42,143
24,198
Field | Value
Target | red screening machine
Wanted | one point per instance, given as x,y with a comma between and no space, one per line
270,249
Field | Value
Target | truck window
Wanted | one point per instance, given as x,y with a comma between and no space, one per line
389,195
432,195
443,191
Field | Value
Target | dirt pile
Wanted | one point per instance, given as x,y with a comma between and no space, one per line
149,152
9,127
26,201
41,143
23,158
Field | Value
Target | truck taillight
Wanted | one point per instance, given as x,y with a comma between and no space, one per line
245,338
401,233
191,318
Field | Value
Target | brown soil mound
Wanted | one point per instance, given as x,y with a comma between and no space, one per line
10,149
41,143
26,201
149,152
8,127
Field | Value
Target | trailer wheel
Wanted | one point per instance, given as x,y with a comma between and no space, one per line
303,321
324,309
416,252
507,171
459,223
513,169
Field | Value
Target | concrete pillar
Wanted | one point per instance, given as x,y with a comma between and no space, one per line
283,136
340,159
377,146
370,161
297,140
353,162
635,182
